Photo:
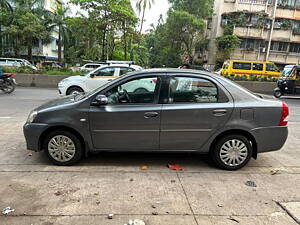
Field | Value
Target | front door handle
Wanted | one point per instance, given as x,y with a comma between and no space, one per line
219,112
148,115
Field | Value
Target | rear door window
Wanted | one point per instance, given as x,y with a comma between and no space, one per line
192,90
124,70
106,72
241,66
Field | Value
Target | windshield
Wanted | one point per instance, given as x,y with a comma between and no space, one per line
288,71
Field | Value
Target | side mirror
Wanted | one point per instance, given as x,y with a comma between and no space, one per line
92,75
101,100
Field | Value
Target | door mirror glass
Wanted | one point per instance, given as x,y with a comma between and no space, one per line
101,100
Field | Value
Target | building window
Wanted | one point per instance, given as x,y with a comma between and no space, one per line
279,46
251,44
295,47
289,4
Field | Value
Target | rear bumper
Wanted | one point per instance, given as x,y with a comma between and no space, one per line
270,138
32,133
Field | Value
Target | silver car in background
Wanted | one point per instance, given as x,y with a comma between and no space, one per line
180,110
14,62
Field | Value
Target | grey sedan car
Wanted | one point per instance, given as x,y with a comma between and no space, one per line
161,110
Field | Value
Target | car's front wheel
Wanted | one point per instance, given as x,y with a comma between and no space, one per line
232,152
74,91
63,147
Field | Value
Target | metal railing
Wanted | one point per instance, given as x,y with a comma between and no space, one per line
263,2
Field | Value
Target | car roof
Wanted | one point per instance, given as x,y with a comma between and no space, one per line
121,65
176,70
12,58
247,61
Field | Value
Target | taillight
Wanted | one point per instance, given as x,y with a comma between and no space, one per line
284,115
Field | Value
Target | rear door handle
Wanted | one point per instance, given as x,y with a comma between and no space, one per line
148,115
220,112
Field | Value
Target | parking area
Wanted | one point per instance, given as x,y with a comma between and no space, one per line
114,183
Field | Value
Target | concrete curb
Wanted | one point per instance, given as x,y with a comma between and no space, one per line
38,80
51,81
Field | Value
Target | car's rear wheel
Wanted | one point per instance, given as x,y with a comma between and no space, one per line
74,91
63,147
232,152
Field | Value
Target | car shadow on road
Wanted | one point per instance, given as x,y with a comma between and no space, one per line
152,160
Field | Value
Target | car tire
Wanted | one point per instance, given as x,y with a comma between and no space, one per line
68,148
231,152
277,93
74,90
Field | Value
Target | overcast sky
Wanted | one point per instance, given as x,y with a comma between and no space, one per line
151,16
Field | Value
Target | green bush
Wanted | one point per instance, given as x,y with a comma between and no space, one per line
46,70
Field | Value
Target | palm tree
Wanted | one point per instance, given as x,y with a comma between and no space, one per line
142,6
59,21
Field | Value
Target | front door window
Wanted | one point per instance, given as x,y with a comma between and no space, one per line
138,91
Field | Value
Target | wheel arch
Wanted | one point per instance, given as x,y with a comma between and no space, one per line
74,86
245,133
65,128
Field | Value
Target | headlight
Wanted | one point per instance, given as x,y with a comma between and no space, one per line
32,116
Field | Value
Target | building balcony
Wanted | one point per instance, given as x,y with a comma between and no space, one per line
287,13
282,35
274,56
250,32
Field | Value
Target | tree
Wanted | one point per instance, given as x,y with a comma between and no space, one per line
6,18
142,6
113,21
59,21
186,29
202,9
226,45
29,25
26,30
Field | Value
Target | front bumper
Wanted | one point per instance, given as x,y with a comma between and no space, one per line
32,133
270,138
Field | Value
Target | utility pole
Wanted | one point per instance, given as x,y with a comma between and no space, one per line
271,31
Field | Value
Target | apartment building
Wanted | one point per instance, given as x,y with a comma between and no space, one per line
41,51
268,29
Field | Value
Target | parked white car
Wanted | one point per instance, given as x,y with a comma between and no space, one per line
94,79
14,62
